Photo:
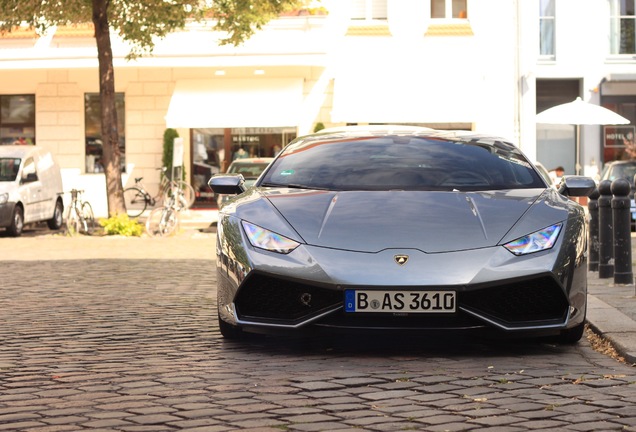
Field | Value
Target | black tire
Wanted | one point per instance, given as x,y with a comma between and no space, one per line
56,222
17,222
573,335
89,218
136,201
228,331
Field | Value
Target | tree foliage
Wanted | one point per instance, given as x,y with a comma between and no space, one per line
139,23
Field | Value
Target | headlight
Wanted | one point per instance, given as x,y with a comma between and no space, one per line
4,198
535,242
264,239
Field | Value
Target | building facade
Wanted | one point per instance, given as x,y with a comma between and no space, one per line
488,66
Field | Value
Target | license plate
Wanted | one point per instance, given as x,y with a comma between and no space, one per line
400,301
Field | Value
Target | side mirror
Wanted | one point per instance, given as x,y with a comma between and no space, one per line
576,186
227,184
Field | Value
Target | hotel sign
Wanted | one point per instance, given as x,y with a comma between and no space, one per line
618,136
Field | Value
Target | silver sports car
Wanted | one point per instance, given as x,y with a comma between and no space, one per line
402,229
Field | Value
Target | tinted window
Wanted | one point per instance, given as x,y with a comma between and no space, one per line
9,168
403,163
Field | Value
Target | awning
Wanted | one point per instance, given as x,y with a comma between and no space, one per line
405,94
619,85
233,103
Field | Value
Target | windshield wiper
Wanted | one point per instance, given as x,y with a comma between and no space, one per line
294,186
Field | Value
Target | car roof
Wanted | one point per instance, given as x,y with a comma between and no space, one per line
369,131
17,151
621,162
387,128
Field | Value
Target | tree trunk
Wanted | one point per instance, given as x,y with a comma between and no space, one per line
110,134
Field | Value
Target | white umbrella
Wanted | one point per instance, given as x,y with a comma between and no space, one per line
579,113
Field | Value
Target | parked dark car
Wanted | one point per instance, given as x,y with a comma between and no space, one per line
622,169
400,229
249,168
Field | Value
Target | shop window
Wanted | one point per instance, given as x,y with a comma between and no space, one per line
213,150
17,119
556,144
93,131
619,142
369,10
546,28
622,27
449,9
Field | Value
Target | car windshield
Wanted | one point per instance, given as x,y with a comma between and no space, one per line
622,170
402,163
9,168
250,170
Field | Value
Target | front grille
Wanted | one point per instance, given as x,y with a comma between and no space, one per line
539,299
419,321
266,297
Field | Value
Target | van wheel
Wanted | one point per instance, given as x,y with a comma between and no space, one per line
55,223
17,222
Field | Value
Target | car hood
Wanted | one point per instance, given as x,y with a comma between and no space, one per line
7,186
433,222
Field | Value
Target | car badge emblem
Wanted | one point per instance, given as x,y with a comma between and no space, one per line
401,259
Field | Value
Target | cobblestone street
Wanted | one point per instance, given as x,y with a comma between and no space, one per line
132,344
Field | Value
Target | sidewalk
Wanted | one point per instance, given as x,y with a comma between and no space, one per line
611,311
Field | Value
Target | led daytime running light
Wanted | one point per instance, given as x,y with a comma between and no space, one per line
265,239
538,241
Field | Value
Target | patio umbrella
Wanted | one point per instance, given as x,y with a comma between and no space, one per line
579,113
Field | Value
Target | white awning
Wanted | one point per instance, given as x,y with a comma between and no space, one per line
405,94
233,103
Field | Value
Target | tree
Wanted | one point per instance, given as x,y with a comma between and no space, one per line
139,23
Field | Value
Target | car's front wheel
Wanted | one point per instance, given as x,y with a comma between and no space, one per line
17,222
228,331
573,335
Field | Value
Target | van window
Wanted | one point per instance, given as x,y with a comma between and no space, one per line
9,168
29,168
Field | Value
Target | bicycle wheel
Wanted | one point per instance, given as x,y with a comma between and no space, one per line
162,221
89,218
186,194
73,222
136,201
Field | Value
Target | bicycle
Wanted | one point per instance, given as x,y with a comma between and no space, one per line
138,199
80,218
164,221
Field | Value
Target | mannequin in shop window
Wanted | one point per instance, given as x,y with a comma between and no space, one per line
240,154
99,168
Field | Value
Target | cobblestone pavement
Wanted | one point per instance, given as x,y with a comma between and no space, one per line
120,334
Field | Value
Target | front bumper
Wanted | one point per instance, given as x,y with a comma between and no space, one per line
6,214
540,292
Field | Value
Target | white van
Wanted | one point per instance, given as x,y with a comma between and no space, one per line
30,188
